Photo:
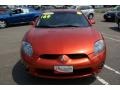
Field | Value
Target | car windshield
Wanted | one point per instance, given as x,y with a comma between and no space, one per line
62,19
84,7
117,8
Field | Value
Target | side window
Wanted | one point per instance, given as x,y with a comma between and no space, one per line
79,8
90,7
14,11
87,7
26,11
118,9
17,11
84,7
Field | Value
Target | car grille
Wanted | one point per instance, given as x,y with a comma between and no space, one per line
56,56
75,72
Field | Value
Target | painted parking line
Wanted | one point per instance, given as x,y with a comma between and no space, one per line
102,80
111,35
111,69
112,39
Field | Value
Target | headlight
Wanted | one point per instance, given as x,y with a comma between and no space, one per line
99,46
27,48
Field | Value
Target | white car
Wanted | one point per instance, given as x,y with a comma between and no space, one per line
87,10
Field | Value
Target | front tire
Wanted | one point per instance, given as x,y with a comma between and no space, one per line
90,16
3,24
118,25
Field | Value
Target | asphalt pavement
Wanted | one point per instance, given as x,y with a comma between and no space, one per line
12,72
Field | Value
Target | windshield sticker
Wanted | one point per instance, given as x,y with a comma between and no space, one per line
46,15
79,13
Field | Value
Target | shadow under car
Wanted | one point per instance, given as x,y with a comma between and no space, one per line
20,76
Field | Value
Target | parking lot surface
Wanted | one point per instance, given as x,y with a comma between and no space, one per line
13,72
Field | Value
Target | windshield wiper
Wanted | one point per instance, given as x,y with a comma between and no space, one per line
55,26
64,26
69,26
43,26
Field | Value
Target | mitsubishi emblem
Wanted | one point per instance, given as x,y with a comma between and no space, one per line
63,58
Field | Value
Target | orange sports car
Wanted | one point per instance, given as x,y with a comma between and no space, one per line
62,44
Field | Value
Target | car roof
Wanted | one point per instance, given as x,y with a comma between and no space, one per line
62,10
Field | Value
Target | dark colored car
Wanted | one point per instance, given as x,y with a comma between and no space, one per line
110,15
3,8
118,19
17,16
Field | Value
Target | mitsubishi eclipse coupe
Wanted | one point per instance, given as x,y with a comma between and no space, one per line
18,16
62,44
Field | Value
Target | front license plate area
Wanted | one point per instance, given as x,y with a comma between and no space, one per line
63,69
109,16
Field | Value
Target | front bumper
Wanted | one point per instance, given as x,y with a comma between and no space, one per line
81,67
109,17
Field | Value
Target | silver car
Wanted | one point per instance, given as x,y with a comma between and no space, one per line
87,10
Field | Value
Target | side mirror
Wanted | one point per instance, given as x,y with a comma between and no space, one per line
92,21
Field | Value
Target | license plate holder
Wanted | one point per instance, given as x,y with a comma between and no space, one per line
109,16
63,69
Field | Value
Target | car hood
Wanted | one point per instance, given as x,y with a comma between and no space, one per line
63,40
3,15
